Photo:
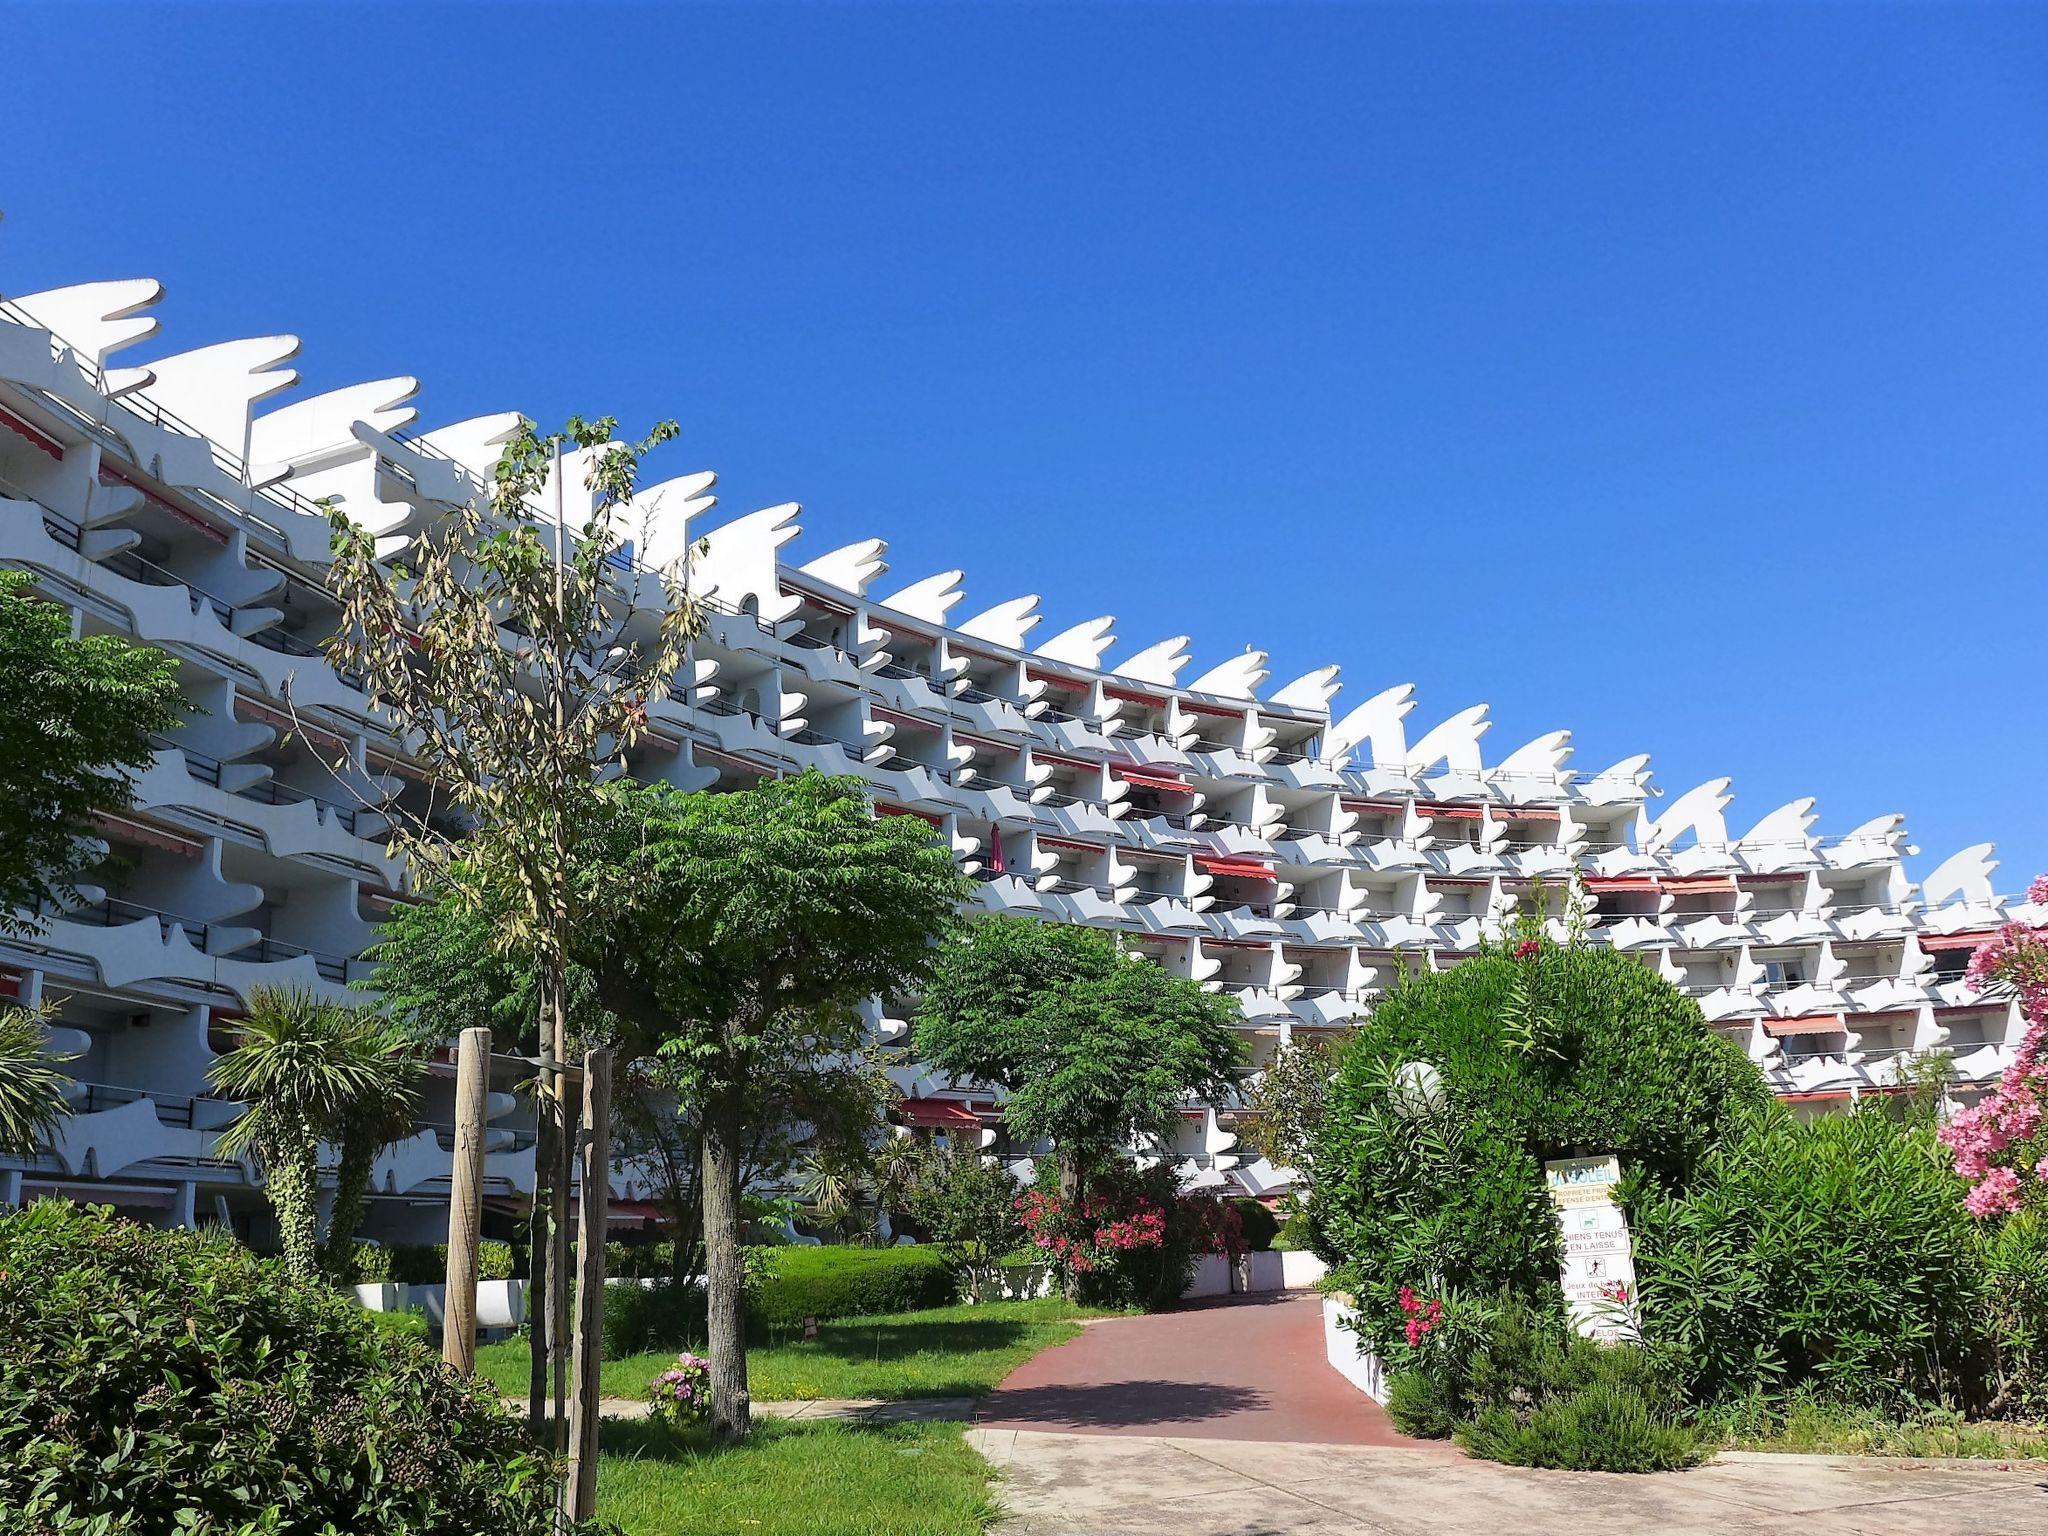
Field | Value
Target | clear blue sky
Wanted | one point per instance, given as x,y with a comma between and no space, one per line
1677,376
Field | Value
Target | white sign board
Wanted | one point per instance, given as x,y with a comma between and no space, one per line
1599,1272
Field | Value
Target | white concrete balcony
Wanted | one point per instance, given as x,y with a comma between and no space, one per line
988,713
1008,893
1634,933
1330,1008
1802,926
1548,862
1388,853
1247,922
1870,922
291,823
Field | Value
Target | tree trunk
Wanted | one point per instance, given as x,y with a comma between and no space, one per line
538,1249
1070,1195
724,1270
351,1199
562,1147
294,1190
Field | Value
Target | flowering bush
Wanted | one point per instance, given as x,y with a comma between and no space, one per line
681,1395
1131,1238
1423,1316
2000,1143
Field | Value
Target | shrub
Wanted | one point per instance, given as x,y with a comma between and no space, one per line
2014,1256
1835,1253
1545,1055
830,1281
1421,1405
168,1381
968,1208
1260,1225
409,1324
1133,1237
369,1264
1602,1428
640,1261
639,1318
423,1263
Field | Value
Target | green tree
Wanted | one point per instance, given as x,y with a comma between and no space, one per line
1096,1049
301,1067
439,967
513,651
742,931
968,1208
32,1101
1288,1103
76,717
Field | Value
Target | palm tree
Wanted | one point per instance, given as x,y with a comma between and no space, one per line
32,1087
385,1112
301,1066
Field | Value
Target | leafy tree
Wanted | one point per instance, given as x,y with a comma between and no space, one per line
303,1068
513,651
1444,1188
76,717
968,1208
1287,1105
1095,1048
743,931
439,968
32,1101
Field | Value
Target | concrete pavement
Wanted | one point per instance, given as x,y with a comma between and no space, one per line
1132,1485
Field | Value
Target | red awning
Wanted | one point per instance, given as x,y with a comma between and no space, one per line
1239,869
1216,711
32,434
1130,697
904,810
1528,812
1458,812
1805,1024
1953,940
127,830
1061,842
1150,778
1054,680
939,1114
1597,883
1699,883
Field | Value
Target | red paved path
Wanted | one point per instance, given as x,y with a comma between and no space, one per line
1245,1368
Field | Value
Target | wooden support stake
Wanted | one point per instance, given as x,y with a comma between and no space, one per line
466,1199
595,1171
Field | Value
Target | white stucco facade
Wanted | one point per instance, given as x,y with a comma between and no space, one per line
1295,849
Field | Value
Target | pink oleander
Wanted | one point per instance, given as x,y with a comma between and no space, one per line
2000,1143
1423,1316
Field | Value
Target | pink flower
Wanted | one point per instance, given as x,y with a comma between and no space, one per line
1527,949
1996,1194
2037,893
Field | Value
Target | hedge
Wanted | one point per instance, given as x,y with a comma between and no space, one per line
825,1282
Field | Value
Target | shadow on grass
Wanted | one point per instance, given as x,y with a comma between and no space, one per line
896,1341
644,1440
1117,1404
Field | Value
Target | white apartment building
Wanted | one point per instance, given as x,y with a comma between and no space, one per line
1296,852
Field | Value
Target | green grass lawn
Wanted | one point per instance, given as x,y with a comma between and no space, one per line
795,1479
944,1352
